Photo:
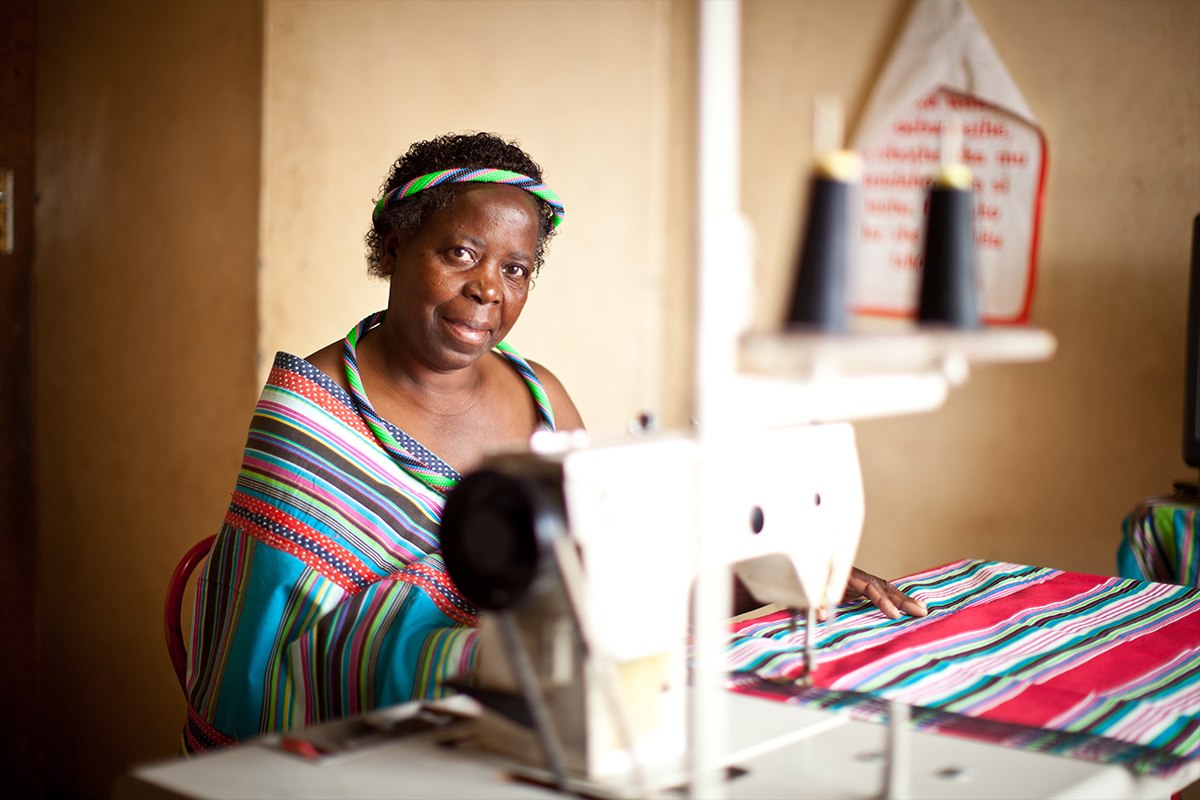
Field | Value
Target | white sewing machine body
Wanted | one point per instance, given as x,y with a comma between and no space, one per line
608,642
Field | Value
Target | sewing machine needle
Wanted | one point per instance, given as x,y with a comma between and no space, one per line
810,638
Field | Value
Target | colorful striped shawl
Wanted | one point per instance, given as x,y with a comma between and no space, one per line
324,594
1160,541
1089,666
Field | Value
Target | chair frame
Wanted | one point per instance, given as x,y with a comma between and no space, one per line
173,608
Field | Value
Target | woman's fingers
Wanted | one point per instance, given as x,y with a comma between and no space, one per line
890,600
876,591
913,607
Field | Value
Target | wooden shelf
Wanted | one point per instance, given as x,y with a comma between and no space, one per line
808,355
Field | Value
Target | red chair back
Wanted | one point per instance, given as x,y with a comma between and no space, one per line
172,612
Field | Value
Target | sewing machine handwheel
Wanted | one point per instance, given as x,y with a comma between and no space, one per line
497,536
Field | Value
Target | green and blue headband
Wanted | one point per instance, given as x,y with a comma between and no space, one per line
466,175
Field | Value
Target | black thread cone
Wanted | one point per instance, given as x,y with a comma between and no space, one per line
948,284
819,291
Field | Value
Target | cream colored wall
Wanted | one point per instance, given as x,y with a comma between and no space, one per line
1033,463
585,87
146,226
1037,463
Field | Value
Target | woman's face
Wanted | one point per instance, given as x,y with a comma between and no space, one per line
458,285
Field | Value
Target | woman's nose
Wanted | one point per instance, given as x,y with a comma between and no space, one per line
483,285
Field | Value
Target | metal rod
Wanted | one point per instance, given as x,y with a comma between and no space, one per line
810,643
723,298
543,725
897,787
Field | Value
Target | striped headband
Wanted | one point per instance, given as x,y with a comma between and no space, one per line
464,175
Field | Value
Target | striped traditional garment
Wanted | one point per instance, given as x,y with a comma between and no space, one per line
324,594
1160,541
1094,667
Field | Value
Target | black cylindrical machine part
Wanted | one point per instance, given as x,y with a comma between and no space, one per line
497,536
948,279
819,291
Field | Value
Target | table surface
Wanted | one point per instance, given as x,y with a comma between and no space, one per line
841,758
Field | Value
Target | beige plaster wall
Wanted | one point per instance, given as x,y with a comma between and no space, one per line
1032,463
146,225
586,87
1037,463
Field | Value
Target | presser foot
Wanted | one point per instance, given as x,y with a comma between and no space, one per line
802,681
808,650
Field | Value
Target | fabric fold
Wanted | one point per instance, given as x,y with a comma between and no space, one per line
324,594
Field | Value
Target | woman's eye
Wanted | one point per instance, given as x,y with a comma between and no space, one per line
517,271
460,254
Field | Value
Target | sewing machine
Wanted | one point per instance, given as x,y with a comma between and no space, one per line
594,539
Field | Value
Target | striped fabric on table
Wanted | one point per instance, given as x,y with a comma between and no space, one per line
1095,667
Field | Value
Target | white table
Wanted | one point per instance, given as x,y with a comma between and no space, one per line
839,759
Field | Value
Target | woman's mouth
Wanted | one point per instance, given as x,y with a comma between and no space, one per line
475,333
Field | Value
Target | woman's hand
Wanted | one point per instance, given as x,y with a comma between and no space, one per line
890,600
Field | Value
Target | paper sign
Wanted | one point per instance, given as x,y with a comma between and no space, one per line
944,70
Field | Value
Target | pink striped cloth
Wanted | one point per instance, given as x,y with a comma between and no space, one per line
1093,667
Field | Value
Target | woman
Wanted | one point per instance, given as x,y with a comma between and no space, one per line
324,594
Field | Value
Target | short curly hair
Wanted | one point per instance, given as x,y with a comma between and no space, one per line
472,150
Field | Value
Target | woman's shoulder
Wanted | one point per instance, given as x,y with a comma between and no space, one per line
329,360
566,415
